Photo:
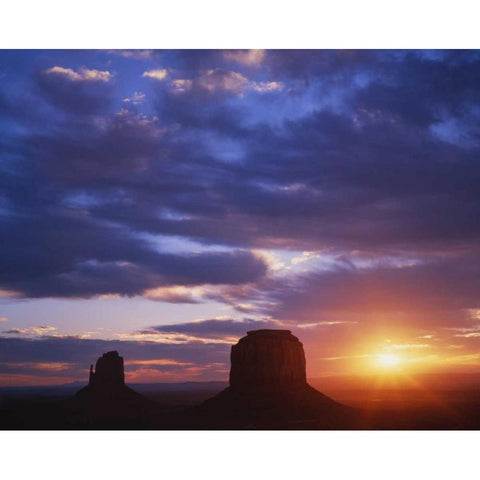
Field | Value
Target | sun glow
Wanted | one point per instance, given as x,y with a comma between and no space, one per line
388,360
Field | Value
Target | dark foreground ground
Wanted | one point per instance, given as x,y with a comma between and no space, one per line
198,406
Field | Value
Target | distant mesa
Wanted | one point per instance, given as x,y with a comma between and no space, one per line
269,389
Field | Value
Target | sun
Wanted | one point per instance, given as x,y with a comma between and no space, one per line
388,360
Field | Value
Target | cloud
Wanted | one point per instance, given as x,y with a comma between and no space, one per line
336,65
181,85
3,319
245,57
109,147
136,99
219,80
156,74
347,160
244,308
16,331
86,351
35,331
85,91
157,362
133,54
19,367
216,328
212,81
176,294
263,87
440,292
82,75
96,260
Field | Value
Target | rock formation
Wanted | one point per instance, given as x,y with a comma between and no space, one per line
268,389
106,399
109,373
267,359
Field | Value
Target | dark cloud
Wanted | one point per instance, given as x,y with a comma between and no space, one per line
353,161
80,96
80,350
68,254
191,60
105,152
309,65
213,328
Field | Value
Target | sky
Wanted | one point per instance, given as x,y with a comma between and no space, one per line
163,203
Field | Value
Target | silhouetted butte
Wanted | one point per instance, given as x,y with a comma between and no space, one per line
106,398
268,389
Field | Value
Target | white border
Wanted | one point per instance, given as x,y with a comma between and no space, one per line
240,24
245,24
239,455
